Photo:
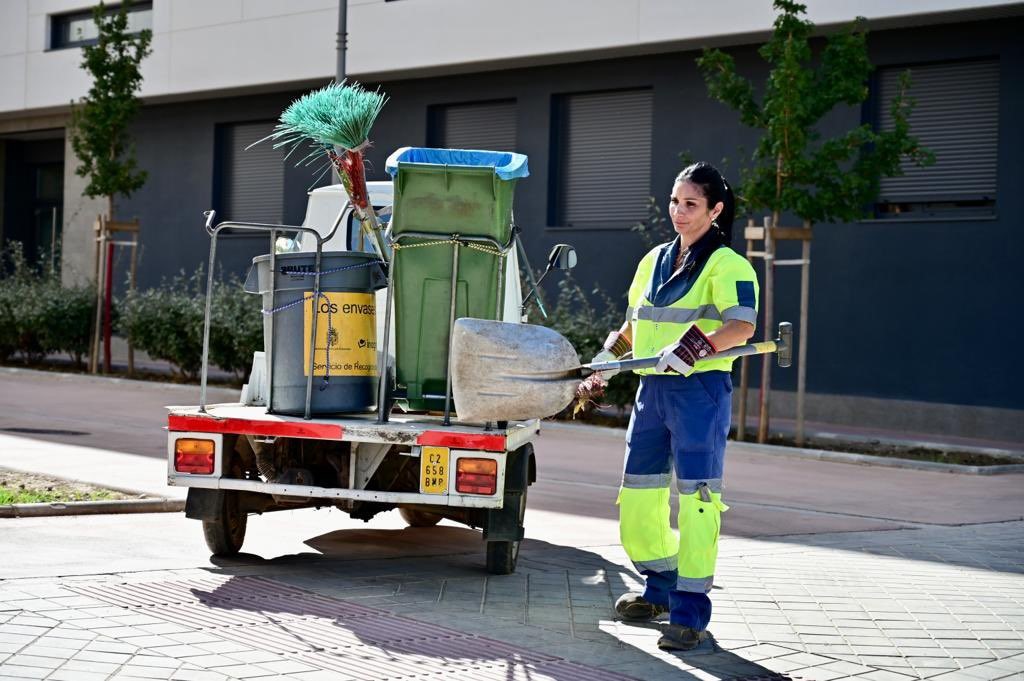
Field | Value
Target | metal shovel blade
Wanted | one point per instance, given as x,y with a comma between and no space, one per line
506,372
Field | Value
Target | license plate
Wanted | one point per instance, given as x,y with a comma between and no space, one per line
434,470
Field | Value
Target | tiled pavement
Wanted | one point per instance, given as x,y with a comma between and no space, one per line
943,603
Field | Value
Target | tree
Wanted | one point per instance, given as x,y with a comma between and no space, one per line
793,170
99,122
99,136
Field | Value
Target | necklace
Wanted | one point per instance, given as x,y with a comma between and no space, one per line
681,258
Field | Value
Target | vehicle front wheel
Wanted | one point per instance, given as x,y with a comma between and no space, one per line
224,536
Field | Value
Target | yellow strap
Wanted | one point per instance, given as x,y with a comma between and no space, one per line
483,248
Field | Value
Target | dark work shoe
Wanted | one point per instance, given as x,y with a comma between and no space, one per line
678,637
636,608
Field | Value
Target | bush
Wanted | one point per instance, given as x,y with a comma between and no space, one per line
65,318
236,327
167,323
38,315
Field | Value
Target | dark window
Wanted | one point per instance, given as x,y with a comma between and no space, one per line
251,181
78,28
956,117
601,165
481,125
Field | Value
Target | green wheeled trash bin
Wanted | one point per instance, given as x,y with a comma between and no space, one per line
452,213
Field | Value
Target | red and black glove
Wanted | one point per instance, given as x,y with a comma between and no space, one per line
681,356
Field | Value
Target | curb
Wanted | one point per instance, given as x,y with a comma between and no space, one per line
871,460
74,376
821,454
92,508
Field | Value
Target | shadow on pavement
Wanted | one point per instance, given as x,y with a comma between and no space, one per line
337,610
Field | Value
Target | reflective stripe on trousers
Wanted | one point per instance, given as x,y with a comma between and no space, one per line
677,423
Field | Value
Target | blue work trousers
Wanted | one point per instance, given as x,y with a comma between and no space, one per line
678,423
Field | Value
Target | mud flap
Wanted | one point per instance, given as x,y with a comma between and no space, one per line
503,523
204,504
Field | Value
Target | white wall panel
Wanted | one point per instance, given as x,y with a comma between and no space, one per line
278,49
37,32
44,7
13,38
12,75
54,78
261,9
189,14
215,44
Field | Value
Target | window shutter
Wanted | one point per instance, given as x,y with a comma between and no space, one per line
604,168
490,126
956,116
252,181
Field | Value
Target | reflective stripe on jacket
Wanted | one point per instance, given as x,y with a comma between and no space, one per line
726,288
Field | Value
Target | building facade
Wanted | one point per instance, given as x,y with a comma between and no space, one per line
604,97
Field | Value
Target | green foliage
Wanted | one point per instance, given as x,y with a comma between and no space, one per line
99,123
586,325
792,168
167,323
236,327
656,229
39,316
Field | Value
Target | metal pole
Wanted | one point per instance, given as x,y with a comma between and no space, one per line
451,328
382,363
315,304
741,425
206,319
801,362
769,293
339,74
269,327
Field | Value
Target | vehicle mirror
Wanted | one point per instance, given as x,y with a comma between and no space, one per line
562,257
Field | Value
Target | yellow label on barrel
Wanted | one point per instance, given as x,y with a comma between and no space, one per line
346,335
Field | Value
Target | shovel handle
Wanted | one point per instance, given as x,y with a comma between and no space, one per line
781,345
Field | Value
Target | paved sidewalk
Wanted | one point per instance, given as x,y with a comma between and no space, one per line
943,603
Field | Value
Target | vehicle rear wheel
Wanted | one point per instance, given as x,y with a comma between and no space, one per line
225,535
502,556
416,518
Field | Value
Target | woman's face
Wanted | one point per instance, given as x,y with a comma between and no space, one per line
688,208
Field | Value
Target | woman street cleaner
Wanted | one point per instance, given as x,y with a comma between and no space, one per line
690,298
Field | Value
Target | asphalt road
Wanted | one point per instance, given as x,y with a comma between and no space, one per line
578,467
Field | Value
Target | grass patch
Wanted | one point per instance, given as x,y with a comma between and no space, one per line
30,488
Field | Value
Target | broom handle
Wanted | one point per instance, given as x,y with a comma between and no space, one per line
370,224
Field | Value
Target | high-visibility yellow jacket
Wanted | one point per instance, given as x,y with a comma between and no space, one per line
725,288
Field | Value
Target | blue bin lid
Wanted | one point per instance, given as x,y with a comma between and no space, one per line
506,164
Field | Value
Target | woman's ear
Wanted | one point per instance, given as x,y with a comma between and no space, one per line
717,210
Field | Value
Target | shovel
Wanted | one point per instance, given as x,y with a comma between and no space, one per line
508,372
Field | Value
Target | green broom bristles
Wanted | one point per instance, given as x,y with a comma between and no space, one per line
337,115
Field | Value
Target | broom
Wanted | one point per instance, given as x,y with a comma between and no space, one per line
336,121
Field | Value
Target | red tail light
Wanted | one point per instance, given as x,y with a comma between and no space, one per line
476,476
194,456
